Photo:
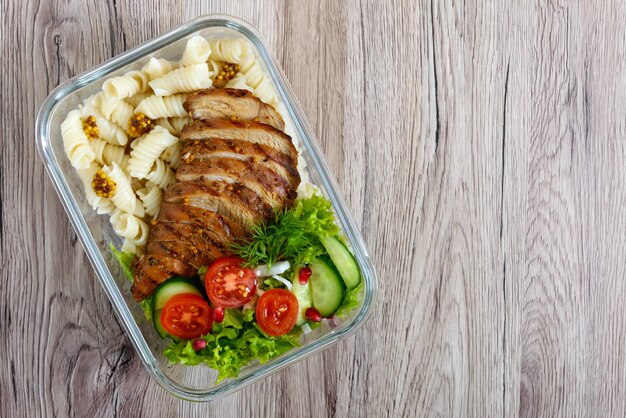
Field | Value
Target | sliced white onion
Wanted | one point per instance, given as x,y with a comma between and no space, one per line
277,268
286,282
306,328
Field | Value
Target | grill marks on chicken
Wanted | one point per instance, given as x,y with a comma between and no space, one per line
235,173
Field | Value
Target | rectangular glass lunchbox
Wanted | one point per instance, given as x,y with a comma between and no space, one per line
195,383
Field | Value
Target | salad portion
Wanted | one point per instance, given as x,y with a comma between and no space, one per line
294,273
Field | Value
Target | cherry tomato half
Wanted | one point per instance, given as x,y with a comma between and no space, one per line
228,284
277,312
186,316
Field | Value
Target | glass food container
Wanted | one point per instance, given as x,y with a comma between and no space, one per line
95,232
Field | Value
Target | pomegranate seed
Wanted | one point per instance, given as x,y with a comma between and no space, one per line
313,315
218,314
198,344
304,275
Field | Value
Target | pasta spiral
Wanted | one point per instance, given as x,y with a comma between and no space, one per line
157,67
107,153
260,82
156,107
148,150
151,197
173,125
75,141
127,85
130,227
172,154
194,77
161,174
108,130
197,51
123,196
137,98
239,82
231,50
101,205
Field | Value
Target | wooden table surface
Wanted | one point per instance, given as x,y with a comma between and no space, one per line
481,149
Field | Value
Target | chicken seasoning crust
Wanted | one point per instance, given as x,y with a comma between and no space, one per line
237,169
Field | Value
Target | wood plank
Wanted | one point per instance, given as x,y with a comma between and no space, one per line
481,150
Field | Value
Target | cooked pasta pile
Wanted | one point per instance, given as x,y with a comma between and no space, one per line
124,140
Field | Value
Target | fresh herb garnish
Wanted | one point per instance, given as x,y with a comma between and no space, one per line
294,235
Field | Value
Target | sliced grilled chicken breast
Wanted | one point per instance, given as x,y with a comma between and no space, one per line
254,132
232,176
227,103
261,155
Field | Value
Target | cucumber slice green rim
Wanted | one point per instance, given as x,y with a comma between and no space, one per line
327,288
165,292
344,261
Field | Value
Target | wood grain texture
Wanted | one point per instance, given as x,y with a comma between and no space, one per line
481,148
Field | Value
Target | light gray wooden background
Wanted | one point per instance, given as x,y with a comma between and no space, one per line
481,148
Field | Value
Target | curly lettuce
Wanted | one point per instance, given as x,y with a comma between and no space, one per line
232,344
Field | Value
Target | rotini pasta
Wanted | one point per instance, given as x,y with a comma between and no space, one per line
197,51
234,51
121,114
260,82
123,196
101,205
137,98
103,103
194,77
161,174
180,123
75,141
127,85
156,107
129,227
214,68
172,154
144,155
165,122
107,153
239,82
151,197
173,125
108,130
157,67
117,111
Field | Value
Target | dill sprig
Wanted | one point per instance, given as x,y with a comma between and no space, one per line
294,235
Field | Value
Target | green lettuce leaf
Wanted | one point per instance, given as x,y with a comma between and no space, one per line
232,345
351,301
146,305
125,261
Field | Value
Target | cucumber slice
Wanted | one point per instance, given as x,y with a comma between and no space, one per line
156,317
302,292
344,261
327,288
165,292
